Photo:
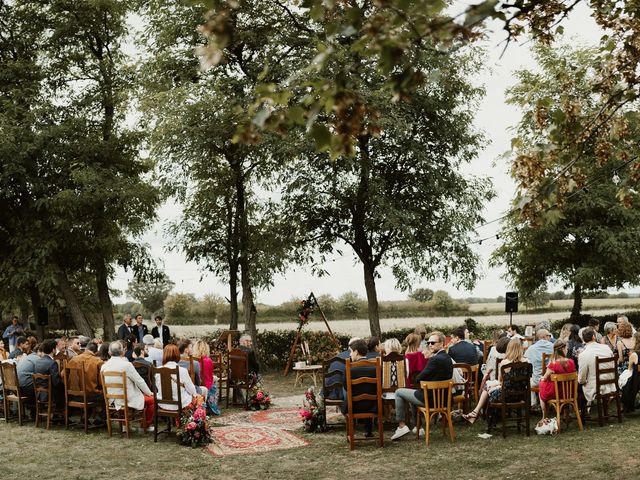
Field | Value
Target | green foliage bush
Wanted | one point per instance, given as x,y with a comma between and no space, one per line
178,305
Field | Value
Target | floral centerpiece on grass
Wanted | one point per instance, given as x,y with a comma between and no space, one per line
312,412
194,427
259,398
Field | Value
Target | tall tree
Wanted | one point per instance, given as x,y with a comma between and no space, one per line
398,198
151,293
590,240
225,227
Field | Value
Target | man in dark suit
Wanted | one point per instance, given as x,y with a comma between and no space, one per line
461,350
359,350
140,329
439,367
125,329
161,331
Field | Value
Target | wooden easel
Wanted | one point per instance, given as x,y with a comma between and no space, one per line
313,301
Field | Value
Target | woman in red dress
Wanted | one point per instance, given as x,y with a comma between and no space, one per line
559,363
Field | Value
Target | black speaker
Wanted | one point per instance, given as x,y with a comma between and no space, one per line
511,302
43,316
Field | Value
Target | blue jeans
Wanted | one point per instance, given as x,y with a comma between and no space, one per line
405,395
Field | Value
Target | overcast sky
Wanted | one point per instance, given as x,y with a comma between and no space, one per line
494,117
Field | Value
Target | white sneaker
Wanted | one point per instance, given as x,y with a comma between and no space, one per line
400,432
421,434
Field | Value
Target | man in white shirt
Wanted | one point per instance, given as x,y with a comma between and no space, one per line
587,366
139,396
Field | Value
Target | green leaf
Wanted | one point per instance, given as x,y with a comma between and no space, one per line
322,136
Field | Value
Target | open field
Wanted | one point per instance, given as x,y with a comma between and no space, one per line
609,452
587,304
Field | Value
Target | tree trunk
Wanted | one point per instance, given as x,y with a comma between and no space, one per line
34,293
106,307
577,303
233,298
79,320
372,299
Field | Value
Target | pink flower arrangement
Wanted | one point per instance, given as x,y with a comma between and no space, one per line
191,426
312,412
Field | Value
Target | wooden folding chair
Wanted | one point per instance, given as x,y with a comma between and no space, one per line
545,361
515,394
42,387
163,397
147,377
437,401
332,381
465,387
114,386
566,388
75,393
12,391
607,375
352,415
238,376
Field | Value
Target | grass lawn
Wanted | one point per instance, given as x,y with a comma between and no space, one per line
611,452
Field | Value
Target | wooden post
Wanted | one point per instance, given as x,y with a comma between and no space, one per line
293,351
315,300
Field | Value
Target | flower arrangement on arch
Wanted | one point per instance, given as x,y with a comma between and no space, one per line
312,412
194,427
305,309
259,398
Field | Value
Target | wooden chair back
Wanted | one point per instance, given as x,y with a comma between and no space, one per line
514,394
606,374
114,387
465,386
238,374
545,361
351,382
333,380
11,389
163,393
42,387
61,359
566,395
437,401
393,372
141,368
486,348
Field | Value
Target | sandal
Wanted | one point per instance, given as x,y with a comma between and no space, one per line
470,417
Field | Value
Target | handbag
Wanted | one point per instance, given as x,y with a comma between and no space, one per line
547,426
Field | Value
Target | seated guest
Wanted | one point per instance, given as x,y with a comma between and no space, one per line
534,354
141,364
73,347
392,345
493,390
373,346
131,342
558,364
154,350
170,359
359,351
496,353
575,345
201,349
84,341
4,355
565,332
595,324
460,350
415,359
44,365
514,332
439,367
587,366
103,352
246,345
22,347
631,386
610,338
61,345
339,377
91,364
625,345
184,347
420,330
139,396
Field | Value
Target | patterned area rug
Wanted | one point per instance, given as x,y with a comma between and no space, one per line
251,439
285,418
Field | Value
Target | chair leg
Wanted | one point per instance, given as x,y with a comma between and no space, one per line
86,420
527,418
427,429
155,425
350,433
37,412
381,430
20,412
577,410
619,408
49,408
504,422
452,433
559,416
600,412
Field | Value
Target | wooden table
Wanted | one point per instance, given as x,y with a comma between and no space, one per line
307,371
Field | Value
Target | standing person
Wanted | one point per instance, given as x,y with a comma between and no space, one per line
161,331
12,332
125,329
439,367
140,329
139,396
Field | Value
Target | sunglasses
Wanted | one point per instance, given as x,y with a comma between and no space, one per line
432,343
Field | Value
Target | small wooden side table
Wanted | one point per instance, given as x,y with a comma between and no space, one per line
307,371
